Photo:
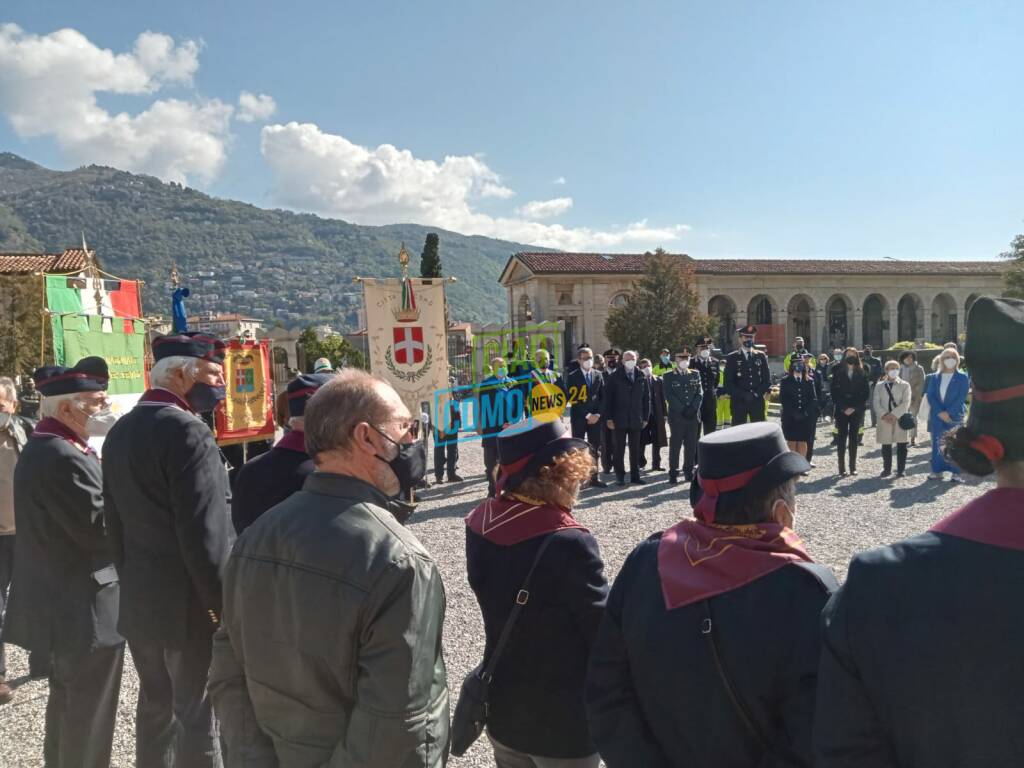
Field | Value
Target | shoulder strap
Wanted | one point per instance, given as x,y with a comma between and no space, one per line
522,597
892,401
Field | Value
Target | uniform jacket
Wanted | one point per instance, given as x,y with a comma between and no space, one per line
536,702
684,393
583,400
921,661
887,434
165,503
747,377
64,596
331,640
654,697
269,479
626,403
710,371
798,397
955,402
655,432
849,392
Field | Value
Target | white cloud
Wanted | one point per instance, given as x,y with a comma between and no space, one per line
545,209
331,175
560,180
49,84
253,108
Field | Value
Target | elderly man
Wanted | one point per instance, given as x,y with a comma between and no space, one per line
65,595
626,408
330,651
708,649
14,433
168,518
272,477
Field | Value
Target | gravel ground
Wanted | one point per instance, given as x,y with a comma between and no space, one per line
836,518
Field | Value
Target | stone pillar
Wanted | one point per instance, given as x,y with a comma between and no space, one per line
891,337
816,342
782,318
926,316
857,318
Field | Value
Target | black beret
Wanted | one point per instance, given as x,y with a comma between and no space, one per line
189,344
996,365
90,374
301,388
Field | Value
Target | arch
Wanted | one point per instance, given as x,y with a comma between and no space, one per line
944,319
801,311
724,310
970,303
837,321
524,313
618,301
910,319
761,310
875,320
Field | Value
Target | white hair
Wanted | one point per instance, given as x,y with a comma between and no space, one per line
631,352
50,404
8,391
297,423
160,375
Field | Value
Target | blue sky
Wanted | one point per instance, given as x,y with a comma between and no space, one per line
727,129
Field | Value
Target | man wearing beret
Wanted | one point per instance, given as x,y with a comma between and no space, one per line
167,515
708,649
65,595
272,477
747,379
921,658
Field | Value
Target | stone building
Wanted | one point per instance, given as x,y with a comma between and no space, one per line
830,303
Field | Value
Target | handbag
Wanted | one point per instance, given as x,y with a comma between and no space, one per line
472,708
907,421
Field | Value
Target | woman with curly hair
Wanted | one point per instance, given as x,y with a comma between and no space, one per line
526,532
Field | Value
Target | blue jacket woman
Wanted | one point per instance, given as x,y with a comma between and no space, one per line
946,391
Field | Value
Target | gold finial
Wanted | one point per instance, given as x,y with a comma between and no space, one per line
175,280
403,259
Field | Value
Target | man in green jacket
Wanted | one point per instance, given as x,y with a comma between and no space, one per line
684,395
330,649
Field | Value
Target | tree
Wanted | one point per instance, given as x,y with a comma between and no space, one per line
1015,274
661,311
430,259
335,348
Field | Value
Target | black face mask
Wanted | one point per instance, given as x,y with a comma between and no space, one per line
203,398
409,464
852,360
748,343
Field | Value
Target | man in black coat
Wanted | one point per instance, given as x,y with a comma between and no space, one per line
709,645
611,362
709,368
627,408
65,595
446,441
269,479
165,492
584,389
747,379
501,402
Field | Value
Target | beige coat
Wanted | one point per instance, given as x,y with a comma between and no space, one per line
887,433
916,381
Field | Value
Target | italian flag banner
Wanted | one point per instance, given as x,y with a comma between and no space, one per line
84,336
76,294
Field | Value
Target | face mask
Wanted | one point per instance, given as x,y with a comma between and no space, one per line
502,373
950,362
705,353
665,359
799,347
586,365
748,343
5,420
203,398
542,364
683,364
851,360
99,423
409,464
611,364
629,365
798,368
837,355
892,373
645,371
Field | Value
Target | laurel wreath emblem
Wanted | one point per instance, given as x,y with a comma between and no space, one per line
412,376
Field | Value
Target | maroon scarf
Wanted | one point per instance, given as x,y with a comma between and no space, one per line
996,518
698,560
293,441
51,427
510,521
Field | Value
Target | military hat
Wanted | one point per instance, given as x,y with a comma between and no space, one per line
189,344
90,374
997,374
739,464
747,330
527,446
613,351
684,351
301,388
705,341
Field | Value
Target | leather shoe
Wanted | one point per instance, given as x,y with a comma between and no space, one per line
673,478
454,479
638,480
6,692
597,482
620,481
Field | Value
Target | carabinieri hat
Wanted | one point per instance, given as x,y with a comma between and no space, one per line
527,446
189,344
997,374
90,374
739,464
747,330
704,341
301,388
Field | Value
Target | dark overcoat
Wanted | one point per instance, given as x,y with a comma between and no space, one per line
849,392
627,404
655,432
269,479
584,400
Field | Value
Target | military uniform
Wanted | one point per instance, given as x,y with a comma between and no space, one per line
64,600
747,380
710,371
685,397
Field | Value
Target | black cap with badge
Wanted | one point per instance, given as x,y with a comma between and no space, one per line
90,374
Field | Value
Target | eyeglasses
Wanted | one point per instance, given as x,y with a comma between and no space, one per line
411,427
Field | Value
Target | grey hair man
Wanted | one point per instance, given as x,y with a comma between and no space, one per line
626,408
333,611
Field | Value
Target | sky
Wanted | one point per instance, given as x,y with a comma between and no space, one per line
728,129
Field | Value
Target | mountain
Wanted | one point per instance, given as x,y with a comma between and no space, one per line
235,257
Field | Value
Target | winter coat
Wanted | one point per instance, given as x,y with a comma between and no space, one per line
902,396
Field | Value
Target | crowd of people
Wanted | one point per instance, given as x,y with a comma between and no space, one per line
300,623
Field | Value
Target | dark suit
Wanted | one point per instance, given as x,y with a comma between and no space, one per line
498,405
446,443
747,381
168,519
583,393
849,392
710,371
627,403
267,480
65,594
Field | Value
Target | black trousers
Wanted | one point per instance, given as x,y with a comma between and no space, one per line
742,412
607,447
490,461
685,433
591,433
6,572
446,454
174,722
901,457
708,415
623,436
849,428
82,708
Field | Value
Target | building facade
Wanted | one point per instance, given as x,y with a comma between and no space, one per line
829,303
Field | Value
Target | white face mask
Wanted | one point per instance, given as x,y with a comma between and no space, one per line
98,424
5,420
705,353
586,365
629,365
949,362
683,364
892,373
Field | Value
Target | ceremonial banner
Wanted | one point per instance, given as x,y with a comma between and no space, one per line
407,334
78,294
84,336
247,412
